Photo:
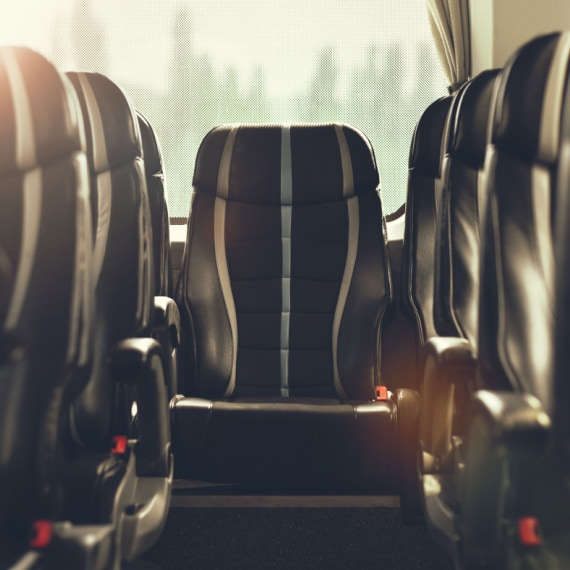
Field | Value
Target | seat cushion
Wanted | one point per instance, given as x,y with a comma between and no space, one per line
294,442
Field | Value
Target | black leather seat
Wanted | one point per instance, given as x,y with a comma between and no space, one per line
514,495
166,319
45,300
456,260
282,293
156,188
448,356
110,482
422,203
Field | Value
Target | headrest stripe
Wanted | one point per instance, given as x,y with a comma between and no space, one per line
549,137
346,162
25,137
100,158
226,162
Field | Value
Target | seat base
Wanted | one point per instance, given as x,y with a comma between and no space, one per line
293,442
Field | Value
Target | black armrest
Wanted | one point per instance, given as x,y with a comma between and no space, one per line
513,419
447,362
167,317
167,332
138,361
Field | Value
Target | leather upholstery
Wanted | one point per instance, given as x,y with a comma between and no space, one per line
515,337
45,238
282,292
421,214
456,282
253,245
514,467
319,442
156,188
122,264
561,388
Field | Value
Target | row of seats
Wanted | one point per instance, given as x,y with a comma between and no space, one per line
272,356
283,293
85,460
488,174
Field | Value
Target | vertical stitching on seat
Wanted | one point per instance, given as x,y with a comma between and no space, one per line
220,249
103,180
286,217
549,138
353,230
346,162
82,300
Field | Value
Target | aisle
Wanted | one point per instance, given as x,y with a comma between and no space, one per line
214,528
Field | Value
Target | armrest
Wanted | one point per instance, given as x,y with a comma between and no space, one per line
138,361
447,362
505,450
167,332
167,317
513,419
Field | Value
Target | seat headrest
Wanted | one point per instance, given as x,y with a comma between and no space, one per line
39,112
151,147
425,151
113,135
467,135
530,92
283,164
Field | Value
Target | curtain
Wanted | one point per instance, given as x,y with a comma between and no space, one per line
449,20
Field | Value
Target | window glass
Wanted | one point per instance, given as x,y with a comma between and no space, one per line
189,65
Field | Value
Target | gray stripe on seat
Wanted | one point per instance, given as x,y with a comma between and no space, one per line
25,136
82,299
103,180
100,158
220,249
104,195
550,121
353,230
223,188
31,188
286,216
31,210
225,283
346,162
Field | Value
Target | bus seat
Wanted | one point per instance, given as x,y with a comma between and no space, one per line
456,271
126,396
282,293
156,188
422,201
45,237
166,319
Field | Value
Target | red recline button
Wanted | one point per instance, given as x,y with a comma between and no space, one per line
382,393
43,531
528,531
119,445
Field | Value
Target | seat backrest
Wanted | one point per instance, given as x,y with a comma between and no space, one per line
422,200
285,279
515,336
456,282
156,188
561,386
122,251
45,236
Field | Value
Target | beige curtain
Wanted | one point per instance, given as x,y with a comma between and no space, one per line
449,20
